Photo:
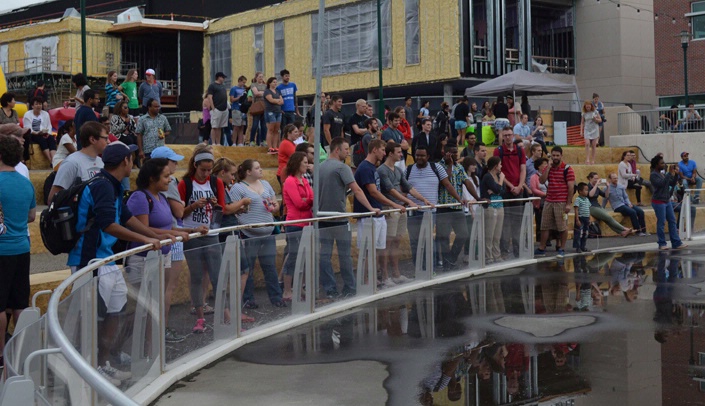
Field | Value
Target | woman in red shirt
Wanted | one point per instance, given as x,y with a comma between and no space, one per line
405,129
298,197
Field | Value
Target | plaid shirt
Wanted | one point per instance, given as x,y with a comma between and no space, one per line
456,178
309,178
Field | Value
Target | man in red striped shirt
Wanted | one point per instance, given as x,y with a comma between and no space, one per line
559,200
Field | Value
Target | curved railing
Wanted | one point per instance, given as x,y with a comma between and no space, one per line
70,336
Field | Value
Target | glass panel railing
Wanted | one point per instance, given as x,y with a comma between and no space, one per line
193,285
455,239
265,255
338,257
686,210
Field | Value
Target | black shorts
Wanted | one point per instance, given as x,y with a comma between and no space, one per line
14,281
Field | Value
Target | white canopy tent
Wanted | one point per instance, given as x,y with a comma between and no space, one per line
522,82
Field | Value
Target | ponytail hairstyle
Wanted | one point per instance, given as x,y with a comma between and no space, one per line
222,164
245,166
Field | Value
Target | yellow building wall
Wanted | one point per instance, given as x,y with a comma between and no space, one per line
439,45
68,31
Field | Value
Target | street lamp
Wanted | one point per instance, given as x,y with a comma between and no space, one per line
685,37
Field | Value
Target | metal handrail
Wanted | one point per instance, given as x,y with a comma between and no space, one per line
110,392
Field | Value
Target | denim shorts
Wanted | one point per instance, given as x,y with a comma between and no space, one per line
271,117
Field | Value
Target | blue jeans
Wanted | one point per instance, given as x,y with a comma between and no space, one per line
264,249
202,254
636,214
664,212
339,234
258,122
288,117
293,239
697,185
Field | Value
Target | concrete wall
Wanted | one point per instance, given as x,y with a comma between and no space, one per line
440,56
615,52
670,144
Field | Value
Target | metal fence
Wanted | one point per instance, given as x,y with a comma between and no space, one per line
662,120
55,359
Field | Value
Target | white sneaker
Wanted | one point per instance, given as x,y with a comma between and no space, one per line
116,373
107,376
401,279
388,283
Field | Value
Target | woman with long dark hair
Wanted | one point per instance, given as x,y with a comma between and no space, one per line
298,196
663,182
203,197
260,243
67,143
492,188
273,102
113,92
81,83
258,122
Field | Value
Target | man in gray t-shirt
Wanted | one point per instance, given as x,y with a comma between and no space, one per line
83,164
338,179
394,186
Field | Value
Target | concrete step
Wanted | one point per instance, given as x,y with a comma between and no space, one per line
238,154
38,177
576,155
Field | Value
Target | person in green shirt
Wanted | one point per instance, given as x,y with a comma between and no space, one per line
129,86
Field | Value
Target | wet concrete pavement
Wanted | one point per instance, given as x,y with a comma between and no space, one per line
587,330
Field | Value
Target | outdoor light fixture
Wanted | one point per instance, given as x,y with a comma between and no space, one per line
685,38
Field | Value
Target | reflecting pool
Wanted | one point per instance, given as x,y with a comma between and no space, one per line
604,329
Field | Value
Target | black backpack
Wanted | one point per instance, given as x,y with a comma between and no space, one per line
57,223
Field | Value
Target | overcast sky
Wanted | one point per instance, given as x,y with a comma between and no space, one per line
13,4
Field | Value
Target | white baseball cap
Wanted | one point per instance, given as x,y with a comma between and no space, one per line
149,72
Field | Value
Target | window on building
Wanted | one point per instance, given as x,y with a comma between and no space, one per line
350,38
279,45
259,48
220,56
698,19
411,9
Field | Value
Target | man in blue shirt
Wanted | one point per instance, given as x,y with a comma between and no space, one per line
288,91
18,207
688,173
239,118
85,112
101,202
522,130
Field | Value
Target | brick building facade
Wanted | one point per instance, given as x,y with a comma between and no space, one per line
669,54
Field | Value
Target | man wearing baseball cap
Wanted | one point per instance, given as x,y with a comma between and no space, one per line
149,90
102,202
688,175
218,97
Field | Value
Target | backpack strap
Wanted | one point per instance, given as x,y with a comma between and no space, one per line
189,188
434,168
408,171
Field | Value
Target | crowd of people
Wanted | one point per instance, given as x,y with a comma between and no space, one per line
362,156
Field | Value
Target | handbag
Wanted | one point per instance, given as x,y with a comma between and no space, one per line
257,108
594,230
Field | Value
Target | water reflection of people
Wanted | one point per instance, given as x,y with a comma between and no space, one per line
667,313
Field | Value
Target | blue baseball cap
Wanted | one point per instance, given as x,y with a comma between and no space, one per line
116,152
166,152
